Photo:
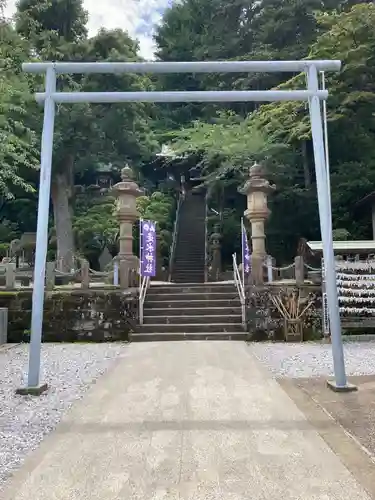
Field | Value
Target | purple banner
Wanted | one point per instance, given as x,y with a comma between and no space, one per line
246,257
148,248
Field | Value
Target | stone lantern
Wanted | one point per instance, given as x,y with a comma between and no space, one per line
257,189
126,192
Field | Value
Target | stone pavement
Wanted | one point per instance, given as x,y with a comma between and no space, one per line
185,421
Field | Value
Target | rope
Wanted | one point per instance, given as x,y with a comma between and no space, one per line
279,268
310,268
98,273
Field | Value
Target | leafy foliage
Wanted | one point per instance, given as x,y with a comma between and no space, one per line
96,227
18,143
228,147
289,29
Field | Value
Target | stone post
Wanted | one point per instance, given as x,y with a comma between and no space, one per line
85,274
257,189
126,191
299,269
10,276
50,275
216,253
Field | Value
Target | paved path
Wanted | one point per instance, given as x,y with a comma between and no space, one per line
185,421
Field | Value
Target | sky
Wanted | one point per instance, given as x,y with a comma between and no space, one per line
138,17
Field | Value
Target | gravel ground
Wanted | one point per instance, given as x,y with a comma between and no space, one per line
69,369
313,359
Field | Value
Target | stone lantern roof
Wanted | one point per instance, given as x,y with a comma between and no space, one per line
127,185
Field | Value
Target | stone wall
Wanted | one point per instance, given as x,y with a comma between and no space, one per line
265,322
74,315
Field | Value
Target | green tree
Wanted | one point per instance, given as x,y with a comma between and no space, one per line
56,30
347,36
17,142
194,30
85,135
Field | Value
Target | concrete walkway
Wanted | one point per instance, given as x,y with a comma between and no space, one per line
187,421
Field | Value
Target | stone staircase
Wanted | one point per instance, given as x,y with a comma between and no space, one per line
189,258
203,311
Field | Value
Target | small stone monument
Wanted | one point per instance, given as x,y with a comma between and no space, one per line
105,259
215,240
257,189
126,191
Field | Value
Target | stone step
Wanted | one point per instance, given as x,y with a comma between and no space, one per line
194,288
191,311
193,265
188,275
160,337
196,231
191,328
190,216
187,297
189,260
189,220
185,273
198,304
179,279
192,320
189,267
186,268
189,250
184,253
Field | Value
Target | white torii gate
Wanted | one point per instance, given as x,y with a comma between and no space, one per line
313,95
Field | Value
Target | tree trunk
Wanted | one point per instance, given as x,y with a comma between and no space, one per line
305,162
61,193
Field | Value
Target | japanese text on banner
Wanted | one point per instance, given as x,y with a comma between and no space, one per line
148,248
246,257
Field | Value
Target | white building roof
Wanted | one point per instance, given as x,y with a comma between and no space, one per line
344,246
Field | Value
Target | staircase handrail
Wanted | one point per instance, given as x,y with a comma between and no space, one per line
143,286
174,237
240,288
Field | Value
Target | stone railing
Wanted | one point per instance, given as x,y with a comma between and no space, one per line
121,276
298,271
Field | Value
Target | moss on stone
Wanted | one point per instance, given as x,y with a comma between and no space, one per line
101,315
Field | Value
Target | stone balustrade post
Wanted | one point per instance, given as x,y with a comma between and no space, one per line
299,269
85,274
50,275
215,239
257,189
10,276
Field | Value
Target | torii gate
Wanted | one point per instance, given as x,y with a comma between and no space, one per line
313,95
